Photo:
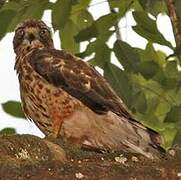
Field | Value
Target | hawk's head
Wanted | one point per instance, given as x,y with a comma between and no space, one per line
32,34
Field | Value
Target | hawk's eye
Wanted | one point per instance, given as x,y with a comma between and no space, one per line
43,32
21,33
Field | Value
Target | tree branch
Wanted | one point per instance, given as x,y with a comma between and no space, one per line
29,157
175,24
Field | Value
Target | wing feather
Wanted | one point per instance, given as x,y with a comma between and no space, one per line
79,79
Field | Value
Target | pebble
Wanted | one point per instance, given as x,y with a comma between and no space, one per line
171,152
121,159
79,175
134,159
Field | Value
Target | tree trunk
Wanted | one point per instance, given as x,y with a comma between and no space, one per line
175,19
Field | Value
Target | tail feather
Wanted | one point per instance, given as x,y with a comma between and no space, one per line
150,141
130,135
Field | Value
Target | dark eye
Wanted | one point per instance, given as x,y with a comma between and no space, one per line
21,33
43,32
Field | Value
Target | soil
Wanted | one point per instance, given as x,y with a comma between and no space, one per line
29,157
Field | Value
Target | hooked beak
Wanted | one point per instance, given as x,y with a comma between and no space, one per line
30,37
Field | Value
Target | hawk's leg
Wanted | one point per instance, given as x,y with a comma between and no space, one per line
57,121
56,126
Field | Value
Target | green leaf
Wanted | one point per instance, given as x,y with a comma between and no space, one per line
26,10
105,22
60,13
171,70
159,101
11,5
76,22
82,19
161,110
177,139
147,28
98,28
119,82
148,69
86,34
102,55
5,16
154,6
174,115
91,47
126,55
79,6
7,131
172,75
123,5
67,37
174,94
13,108
152,63
169,135
139,102
150,54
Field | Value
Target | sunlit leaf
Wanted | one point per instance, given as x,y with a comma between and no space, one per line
13,108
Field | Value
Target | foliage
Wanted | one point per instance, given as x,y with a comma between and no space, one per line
13,108
150,84
8,131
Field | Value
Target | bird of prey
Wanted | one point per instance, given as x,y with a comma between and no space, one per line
66,97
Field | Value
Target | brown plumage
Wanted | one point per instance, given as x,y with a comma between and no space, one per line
67,97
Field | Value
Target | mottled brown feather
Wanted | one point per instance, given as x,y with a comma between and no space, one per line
64,70
67,97
79,79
